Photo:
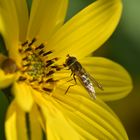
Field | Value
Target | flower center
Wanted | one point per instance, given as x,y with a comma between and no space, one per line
37,69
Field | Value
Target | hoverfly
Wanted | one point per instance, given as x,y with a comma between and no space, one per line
85,79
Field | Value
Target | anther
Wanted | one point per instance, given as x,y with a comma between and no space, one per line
25,58
41,52
21,78
56,58
50,73
52,60
25,43
25,65
47,89
50,80
40,47
64,65
40,82
49,62
33,80
32,42
56,67
20,50
28,49
47,53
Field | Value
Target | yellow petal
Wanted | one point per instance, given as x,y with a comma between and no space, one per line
36,110
114,78
88,30
36,131
15,124
10,124
9,28
23,96
6,79
22,15
57,126
21,124
92,119
46,17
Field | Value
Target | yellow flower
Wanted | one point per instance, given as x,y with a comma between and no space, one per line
39,80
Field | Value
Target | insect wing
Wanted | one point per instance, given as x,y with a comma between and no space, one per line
95,82
87,83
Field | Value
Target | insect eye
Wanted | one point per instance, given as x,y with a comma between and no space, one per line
69,61
64,65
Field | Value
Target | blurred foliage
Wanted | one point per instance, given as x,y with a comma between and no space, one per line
2,46
124,48
75,6
3,108
131,21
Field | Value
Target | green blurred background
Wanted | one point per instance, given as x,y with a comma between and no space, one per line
124,48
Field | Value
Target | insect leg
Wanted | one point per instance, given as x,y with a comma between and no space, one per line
71,85
70,80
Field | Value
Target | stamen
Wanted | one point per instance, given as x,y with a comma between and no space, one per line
49,80
47,53
25,58
58,68
54,67
28,49
33,80
56,58
32,42
47,89
41,52
20,50
50,73
40,47
21,78
25,43
40,82
49,62
26,65
37,69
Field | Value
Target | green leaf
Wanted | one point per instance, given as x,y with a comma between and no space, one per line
3,108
